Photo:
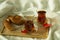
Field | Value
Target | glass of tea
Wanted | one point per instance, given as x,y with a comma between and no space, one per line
41,17
29,26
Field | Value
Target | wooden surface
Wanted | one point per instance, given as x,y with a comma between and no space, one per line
33,35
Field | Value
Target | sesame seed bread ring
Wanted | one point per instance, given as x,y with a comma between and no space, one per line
16,19
8,23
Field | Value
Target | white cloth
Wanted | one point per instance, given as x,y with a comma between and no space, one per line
30,7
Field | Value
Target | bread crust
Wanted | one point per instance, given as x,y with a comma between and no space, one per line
16,19
8,25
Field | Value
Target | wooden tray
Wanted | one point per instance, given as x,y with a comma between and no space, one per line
32,35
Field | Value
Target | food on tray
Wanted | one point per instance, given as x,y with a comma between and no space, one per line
16,19
29,26
10,20
38,27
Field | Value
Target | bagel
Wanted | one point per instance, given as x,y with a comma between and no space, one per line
16,19
8,23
